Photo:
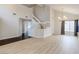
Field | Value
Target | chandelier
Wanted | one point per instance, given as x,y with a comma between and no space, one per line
62,17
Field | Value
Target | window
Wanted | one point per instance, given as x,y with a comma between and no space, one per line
69,26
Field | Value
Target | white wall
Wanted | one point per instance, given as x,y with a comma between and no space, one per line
50,30
57,24
10,23
52,20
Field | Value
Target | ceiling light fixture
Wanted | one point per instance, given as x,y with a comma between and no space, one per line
62,16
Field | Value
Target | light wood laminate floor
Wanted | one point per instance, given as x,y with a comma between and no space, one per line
56,44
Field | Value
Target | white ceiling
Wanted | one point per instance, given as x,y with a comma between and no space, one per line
33,5
70,8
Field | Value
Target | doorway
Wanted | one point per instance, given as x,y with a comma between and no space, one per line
25,28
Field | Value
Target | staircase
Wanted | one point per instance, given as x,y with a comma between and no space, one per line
39,27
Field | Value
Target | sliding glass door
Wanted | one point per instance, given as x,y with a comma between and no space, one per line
69,27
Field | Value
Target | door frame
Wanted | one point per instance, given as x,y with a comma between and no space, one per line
22,20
